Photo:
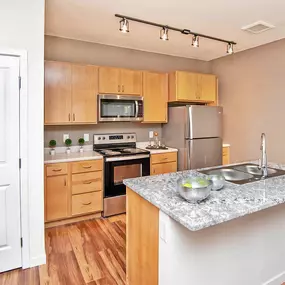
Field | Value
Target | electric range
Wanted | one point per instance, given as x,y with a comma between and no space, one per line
122,160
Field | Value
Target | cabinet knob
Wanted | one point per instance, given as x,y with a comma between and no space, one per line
119,88
73,117
69,117
123,88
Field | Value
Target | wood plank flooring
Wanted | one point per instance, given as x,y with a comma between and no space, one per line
86,253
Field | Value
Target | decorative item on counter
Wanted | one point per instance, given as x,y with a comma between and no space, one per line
52,145
81,142
68,143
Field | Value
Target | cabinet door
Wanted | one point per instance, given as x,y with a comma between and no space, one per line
84,93
109,80
57,197
187,86
207,87
131,81
155,92
57,92
163,168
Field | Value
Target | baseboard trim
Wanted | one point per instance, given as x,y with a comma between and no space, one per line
38,260
276,280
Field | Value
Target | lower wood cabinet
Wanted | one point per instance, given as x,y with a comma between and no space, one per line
226,155
163,163
73,189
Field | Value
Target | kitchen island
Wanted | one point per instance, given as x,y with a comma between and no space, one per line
236,236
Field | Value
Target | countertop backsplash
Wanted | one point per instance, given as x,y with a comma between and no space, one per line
77,131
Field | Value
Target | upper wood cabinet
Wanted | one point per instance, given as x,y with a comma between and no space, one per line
192,87
84,93
70,93
120,81
155,92
57,92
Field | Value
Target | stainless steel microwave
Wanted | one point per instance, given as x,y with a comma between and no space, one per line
122,108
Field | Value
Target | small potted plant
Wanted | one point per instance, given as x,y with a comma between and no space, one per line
68,143
81,142
52,145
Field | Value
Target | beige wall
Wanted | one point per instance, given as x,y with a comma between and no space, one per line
252,92
83,52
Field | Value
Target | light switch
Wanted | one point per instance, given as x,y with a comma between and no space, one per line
150,134
65,137
86,137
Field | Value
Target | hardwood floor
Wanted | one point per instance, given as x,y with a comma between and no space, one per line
86,253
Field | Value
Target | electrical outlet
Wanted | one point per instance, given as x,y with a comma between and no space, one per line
150,134
65,137
86,137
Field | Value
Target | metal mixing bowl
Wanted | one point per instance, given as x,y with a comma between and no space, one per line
218,181
200,188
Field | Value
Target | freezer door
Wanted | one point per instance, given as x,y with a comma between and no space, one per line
204,122
204,153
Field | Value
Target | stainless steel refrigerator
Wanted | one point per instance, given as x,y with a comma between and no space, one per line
196,131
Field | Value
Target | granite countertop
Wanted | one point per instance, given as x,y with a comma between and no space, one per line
232,202
143,145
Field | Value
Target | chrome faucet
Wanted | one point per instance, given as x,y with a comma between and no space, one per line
263,160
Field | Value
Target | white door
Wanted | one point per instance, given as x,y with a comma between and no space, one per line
10,231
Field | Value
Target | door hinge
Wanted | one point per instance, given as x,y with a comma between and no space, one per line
21,242
20,163
20,82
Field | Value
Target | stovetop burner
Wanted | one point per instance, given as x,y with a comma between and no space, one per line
121,151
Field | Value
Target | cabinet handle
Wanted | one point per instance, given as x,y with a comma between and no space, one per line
69,117
73,117
123,88
86,204
87,182
87,167
56,170
64,181
119,88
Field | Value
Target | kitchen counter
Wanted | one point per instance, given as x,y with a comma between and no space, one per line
143,145
232,202
73,156
219,239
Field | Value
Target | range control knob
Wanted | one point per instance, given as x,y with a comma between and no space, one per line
99,138
128,137
103,138
132,137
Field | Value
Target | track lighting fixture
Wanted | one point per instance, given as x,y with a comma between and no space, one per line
230,48
195,41
124,25
164,34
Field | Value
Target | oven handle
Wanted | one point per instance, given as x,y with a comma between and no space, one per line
137,108
130,157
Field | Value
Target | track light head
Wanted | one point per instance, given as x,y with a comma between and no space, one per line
195,41
124,25
230,48
164,34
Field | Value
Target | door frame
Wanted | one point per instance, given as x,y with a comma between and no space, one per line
23,147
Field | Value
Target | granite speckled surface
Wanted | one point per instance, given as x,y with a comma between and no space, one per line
232,202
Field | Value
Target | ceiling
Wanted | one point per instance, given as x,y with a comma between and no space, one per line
94,21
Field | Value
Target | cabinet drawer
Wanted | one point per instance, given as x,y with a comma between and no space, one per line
86,182
163,157
87,166
86,203
56,169
163,168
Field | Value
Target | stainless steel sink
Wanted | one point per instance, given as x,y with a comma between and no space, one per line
231,174
243,173
254,169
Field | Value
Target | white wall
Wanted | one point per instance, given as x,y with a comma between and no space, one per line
22,27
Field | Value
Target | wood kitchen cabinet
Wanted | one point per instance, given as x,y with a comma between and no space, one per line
120,81
163,163
155,93
72,190
70,93
192,87
226,155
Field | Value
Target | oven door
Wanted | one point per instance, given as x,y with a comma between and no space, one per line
116,170
120,108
